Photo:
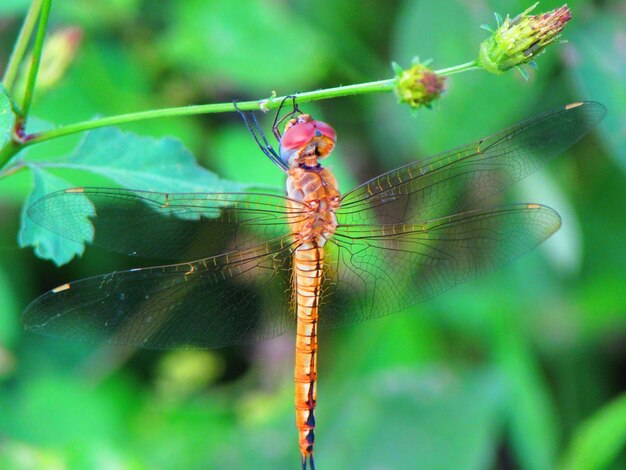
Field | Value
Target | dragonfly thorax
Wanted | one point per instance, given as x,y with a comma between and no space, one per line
316,188
305,141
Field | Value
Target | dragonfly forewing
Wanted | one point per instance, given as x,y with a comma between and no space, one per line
179,226
457,180
235,298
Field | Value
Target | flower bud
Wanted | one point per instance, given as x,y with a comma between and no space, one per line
418,86
58,54
519,40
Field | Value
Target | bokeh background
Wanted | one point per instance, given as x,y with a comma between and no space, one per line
523,368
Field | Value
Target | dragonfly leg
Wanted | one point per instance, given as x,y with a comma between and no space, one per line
254,128
277,122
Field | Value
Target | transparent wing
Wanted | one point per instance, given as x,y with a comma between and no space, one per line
392,247
374,270
454,181
169,226
234,298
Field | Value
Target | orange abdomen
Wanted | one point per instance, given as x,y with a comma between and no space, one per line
308,262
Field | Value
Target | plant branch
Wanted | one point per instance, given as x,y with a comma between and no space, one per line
36,59
265,105
6,154
261,105
466,67
21,45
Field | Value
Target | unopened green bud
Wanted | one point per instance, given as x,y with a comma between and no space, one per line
519,40
418,85
59,52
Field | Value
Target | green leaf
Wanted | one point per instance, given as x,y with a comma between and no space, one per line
533,421
595,51
47,244
7,118
564,248
599,440
131,161
145,163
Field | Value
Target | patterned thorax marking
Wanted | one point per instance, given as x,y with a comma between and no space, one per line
304,143
317,188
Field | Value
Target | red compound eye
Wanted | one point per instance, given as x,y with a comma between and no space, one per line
326,130
297,136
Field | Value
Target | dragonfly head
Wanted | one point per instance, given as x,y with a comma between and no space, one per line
306,141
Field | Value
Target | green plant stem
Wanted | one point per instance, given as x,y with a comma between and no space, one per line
6,153
466,67
21,44
36,60
263,105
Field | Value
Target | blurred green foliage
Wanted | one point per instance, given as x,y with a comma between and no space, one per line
523,368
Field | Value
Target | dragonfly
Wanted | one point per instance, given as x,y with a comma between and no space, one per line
245,267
